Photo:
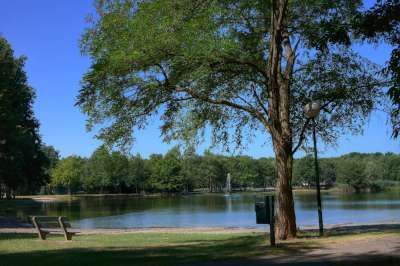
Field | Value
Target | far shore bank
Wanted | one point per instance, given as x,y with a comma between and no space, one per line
61,197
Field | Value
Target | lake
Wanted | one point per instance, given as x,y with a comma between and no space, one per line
213,210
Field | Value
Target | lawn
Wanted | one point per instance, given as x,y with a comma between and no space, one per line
127,249
155,248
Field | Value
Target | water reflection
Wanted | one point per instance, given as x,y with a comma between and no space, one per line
209,210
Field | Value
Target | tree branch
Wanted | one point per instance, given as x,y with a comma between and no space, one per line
259,100
289,53
225,102
164,73
248,63
302,135
245,101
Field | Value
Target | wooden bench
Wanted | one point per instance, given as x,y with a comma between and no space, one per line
52,225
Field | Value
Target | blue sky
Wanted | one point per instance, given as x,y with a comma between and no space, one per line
48,32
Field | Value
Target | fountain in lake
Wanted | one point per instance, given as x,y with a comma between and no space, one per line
228,185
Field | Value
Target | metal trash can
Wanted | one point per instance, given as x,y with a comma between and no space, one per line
262,216
265,215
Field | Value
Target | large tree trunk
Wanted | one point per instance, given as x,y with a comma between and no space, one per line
279,105
285,214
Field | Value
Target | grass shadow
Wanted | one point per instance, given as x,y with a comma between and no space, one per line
11,236
238,251
185,252
249,249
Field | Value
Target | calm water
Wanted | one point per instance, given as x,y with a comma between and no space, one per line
210,210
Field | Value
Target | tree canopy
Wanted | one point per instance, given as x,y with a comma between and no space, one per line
204,64
69,173
23,163
382,22
234,67
177,172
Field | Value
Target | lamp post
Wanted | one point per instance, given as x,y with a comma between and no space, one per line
312,110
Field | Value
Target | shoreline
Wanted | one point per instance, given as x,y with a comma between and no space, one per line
62,197
355,227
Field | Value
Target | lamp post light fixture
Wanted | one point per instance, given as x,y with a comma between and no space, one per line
312,110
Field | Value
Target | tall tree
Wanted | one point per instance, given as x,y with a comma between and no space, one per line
304,171
137,173
232,66
98,165
267,172
190,168
52,154
108,170
22,162
350,171
69,173
119,171
166,172
213,170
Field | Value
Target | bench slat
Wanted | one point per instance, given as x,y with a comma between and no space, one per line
58,232
52,224
48,218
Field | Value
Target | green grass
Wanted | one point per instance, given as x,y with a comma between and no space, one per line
128,248
152,248
395,188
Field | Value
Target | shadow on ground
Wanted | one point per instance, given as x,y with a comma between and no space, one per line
185,252
344,230
353,229
238,250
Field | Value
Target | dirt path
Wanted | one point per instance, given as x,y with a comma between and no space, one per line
376,245
352,250
356,251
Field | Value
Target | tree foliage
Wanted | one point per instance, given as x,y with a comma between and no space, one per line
382,22
69,173
166,172
23,163
204,64
234,67
138,173
177,172
108,170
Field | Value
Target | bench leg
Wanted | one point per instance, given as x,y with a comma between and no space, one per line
41,234
67,235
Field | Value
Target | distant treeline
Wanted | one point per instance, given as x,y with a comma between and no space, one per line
108,171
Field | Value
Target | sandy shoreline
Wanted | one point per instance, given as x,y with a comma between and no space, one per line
145,230
12,225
